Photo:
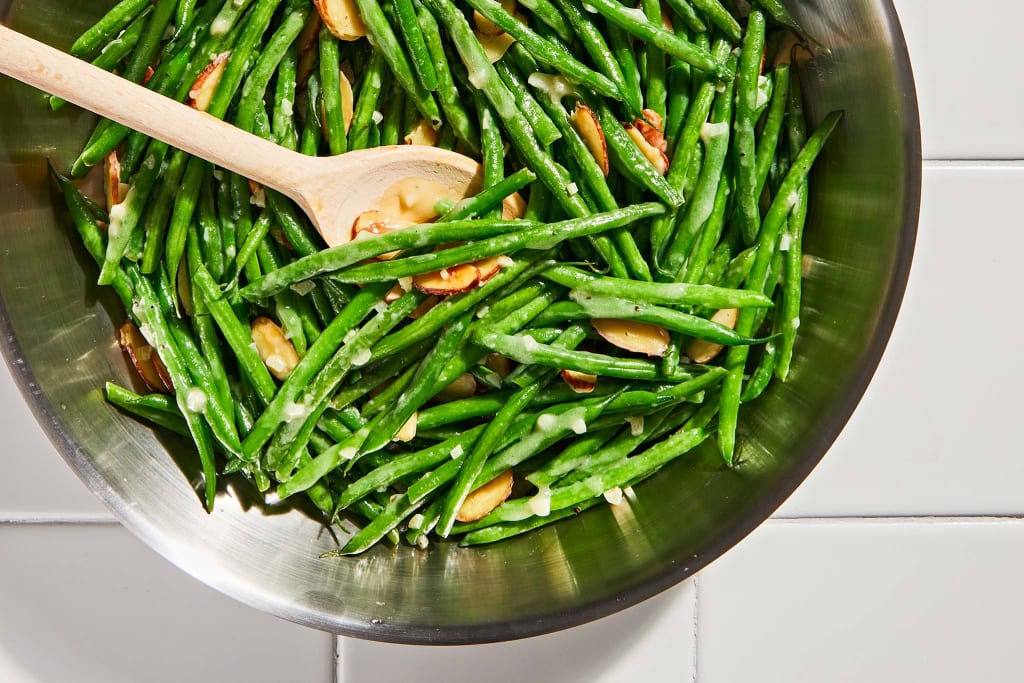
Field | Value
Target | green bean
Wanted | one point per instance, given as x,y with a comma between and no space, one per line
780,14
540,237
107,28
255,86
767,142
541,123
229,14
674,294
630,161
366,102
749,218
330,81
336,258
474,463
377,376
504,530
416,43
115,51
720,17
493,196
156,408
716,140
492,150
312,131
159,336
657,94
620,44
383,39
183,15
312,363
448,95
710,235
525,349
789,315
781,206
549,15
684,10
546,52
642,28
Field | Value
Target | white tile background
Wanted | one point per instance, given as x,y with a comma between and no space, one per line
897,560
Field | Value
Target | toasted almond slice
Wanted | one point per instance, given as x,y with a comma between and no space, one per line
348,100
275,350
653,121
205,85
653,154
499,364
482,501
112,185
485,26
464,386
394,294
148,75
590,130
424,307
309,38
454,280
342,18
703,351
141,355
491,266
165,377
513,207
580,382
495,46
422,134
408,431
375,223
633,336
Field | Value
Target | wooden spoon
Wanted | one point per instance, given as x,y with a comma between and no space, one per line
332,191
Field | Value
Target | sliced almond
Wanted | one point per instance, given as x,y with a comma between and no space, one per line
513,207
495,46
580,382
482,501
348,100
634,336
491,266
342,18
112,185
651,126
501,365
485,26
408,431
309,38
590,130
464,386
142,357
703,351
374,222
275,350
422,134
653,154
146,77
205,86
447,281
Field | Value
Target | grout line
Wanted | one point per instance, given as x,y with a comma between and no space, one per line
336,671
59,519
696,624
973,163
925,520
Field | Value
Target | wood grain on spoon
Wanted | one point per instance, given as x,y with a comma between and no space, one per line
333,191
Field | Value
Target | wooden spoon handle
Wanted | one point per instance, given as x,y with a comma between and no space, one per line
178,125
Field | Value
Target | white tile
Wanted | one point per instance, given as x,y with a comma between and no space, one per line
814,602
936,433
963,65
44,484
91,604
651,641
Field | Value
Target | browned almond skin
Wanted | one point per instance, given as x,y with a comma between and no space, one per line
464,386
205,85
454,280
592,134
633,336
653,154
580,382
142,356
482,501
489,267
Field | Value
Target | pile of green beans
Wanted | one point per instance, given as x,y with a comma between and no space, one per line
399,405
